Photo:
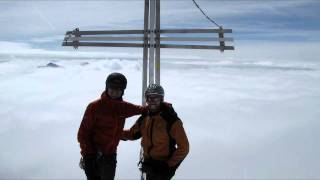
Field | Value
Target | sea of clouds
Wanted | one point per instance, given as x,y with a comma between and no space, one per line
250,114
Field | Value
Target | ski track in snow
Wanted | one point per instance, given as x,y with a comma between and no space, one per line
244,119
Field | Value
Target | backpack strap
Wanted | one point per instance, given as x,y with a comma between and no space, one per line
170,116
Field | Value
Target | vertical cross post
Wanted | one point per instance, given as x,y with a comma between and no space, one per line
157,62
221,39
152,40
145,50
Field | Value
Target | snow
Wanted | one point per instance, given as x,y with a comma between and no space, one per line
245,117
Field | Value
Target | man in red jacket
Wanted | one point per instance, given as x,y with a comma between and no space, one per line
101,127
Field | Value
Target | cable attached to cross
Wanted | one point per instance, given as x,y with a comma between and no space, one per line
211,20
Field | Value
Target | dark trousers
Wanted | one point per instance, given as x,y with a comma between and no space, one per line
157,170
155,176
102,167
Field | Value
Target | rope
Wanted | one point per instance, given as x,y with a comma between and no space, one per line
211,20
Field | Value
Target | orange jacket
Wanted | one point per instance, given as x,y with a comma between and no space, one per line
102,124
153,128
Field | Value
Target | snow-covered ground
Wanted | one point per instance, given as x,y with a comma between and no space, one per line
246,117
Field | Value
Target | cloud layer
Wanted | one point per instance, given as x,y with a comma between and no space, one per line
252,116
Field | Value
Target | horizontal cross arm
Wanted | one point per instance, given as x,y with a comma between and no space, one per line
110,38
162,31
198,39
167,31
105,32
76,44
196,47
105,38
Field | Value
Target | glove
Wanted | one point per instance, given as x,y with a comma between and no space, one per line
161,167
89,163
155,166
146,166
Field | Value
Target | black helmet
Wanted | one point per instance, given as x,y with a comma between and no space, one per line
154,89
116,81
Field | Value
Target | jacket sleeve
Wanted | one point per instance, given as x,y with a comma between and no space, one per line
134,132
178,134
85,132
128,109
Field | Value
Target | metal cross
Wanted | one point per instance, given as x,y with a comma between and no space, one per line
150,41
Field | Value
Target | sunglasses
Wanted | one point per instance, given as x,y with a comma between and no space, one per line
154,98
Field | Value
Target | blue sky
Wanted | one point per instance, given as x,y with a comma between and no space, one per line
43,23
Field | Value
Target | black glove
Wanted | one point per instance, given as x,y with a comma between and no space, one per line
155,166
162,167
90,163
145,166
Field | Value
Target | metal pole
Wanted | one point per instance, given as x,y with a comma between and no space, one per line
139,39
162,31
221,35
77,43
104,32
145,66
152,41
157,65
196,47
165,31
145,51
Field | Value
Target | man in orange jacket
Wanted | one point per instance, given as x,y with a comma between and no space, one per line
164,140
101,129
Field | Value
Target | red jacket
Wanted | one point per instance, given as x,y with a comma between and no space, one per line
102,124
